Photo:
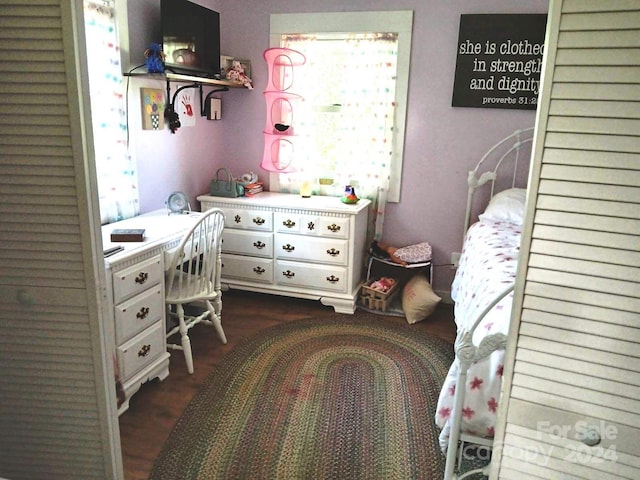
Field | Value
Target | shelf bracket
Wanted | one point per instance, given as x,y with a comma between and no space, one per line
170,112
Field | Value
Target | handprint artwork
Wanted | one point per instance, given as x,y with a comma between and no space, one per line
185,108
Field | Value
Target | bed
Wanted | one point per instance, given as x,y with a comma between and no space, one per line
482,291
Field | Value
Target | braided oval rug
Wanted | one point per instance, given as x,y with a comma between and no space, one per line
340,398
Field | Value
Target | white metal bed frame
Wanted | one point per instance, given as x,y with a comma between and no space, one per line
466,351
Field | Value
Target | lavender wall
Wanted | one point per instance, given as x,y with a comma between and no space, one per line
442,142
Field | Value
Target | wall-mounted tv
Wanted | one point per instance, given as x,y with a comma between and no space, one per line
190,38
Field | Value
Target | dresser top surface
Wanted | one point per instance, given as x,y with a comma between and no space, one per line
289,200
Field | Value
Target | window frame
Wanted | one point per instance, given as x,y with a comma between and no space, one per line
396,21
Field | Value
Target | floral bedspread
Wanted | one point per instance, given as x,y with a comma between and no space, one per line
487,266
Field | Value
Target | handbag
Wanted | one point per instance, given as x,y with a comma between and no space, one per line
228,187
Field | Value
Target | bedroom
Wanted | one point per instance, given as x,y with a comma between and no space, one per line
441,118
436,151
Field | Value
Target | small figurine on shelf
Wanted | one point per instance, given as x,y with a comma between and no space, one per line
235,73
155,58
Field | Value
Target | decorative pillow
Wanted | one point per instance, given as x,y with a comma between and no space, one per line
418,299
506,206
420,252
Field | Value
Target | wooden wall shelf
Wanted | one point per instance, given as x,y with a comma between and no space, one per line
191,81
181,78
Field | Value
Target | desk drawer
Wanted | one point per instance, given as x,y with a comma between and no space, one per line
133,280
137,313
141,350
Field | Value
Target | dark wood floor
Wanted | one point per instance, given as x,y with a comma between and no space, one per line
154,410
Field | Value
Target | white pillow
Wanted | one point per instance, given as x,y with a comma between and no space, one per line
506,206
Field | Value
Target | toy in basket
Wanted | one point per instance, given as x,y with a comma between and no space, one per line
377,294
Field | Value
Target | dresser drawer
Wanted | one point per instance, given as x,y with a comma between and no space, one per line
137,313
334,227
133,280
141,350
323,277
256,244
292,222
247,268
311,249
248,219
315,225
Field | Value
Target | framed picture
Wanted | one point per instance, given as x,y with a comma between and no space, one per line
499,61
225,62
152,103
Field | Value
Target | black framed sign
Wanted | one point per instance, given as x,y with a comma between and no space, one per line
499,60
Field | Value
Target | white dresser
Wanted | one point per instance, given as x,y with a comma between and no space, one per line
288,245
135,291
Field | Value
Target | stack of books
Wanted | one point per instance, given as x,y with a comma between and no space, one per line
252,189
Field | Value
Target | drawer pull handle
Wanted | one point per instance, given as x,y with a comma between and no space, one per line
259,270
259,245
591,436
144,351
237,219
289,274
142,313
142,278
311,226
333,279
333,252
333,228
288,248
289,224
259,221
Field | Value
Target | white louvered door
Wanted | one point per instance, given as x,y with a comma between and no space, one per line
57,405
572,383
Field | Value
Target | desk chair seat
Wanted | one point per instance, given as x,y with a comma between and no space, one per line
193,276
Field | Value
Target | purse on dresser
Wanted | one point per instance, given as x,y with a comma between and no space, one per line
224,185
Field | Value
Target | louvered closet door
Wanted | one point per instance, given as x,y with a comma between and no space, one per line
54,407
576,359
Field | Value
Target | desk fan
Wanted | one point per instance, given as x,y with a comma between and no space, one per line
178,203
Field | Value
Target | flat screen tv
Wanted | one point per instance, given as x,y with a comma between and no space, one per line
190,38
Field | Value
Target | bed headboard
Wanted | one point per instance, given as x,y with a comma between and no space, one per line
494,166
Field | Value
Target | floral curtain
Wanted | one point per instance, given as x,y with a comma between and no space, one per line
116,171
345,122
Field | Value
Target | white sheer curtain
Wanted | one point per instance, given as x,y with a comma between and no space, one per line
345,122
116,171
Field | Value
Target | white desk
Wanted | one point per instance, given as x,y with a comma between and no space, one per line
135,284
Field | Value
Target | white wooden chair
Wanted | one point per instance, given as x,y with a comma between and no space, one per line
193,276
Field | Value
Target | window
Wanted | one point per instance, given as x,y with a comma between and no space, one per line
354,84
115,170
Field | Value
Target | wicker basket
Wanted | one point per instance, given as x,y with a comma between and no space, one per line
376,299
